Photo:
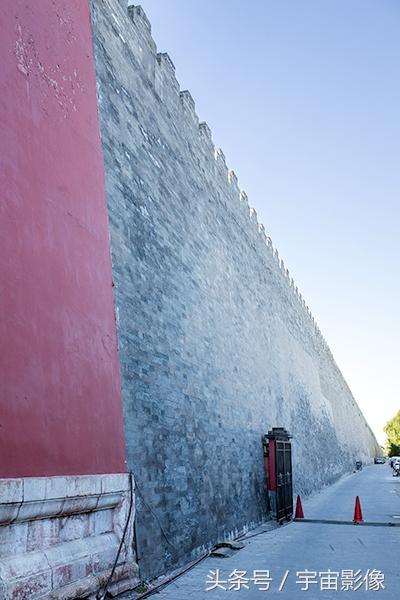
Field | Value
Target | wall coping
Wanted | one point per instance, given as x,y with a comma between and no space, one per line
29,498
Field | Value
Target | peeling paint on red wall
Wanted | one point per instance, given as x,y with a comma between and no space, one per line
60,405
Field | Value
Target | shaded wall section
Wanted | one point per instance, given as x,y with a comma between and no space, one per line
60,409
217,344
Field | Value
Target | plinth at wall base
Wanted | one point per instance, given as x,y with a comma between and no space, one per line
59,536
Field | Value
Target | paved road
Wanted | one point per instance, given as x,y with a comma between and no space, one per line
315,547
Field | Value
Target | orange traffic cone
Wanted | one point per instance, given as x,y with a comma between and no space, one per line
358,518
299,509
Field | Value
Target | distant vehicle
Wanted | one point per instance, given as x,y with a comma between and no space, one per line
379,460
358,465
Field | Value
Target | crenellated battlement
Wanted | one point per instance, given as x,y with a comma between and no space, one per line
205,130
221,165
188,103
139,17
234,185
140,40
253,216
244,198
159,68
166,84
164,59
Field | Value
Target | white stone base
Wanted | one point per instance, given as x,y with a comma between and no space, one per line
59,536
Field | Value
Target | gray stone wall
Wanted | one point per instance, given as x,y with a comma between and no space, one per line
216,344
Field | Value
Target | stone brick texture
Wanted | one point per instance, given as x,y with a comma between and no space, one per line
216,343
59,536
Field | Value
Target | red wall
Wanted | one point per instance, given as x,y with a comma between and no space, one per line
60,405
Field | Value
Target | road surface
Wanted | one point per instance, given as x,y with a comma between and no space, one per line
364,560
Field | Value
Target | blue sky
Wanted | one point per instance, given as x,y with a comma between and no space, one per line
304,99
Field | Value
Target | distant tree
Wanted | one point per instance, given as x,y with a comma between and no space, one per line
392,430
393,450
